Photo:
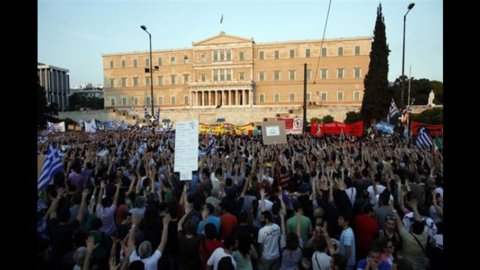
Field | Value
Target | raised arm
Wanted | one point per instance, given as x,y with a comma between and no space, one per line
163,242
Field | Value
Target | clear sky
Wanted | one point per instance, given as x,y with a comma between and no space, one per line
73,34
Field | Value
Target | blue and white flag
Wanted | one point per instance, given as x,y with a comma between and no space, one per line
56,127
146,113
210,145
157,115
90,126
392,111
51,166
423,140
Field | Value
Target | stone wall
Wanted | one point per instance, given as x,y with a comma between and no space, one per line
232,115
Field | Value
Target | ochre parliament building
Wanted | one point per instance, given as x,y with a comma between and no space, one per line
233,72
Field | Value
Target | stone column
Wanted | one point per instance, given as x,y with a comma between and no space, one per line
251,99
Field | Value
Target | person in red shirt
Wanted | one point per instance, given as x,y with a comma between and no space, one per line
366,226
228,222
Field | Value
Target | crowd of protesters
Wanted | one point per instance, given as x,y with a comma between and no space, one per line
313,203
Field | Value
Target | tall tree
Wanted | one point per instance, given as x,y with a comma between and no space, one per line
41,107
377,96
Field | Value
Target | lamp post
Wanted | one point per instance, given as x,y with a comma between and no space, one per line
144,28
410,6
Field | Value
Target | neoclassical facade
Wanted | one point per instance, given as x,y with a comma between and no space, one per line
230,71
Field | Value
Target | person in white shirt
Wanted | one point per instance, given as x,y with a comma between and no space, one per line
268,239
144,250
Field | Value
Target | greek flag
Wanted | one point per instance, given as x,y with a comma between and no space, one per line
392,111
210,145
423,140
157,115
147,115
51,166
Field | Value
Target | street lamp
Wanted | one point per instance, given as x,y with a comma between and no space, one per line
410,6
144,28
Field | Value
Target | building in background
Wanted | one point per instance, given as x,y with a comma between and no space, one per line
56,82
230,71
87,90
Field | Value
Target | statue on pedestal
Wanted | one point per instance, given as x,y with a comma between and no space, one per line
431,97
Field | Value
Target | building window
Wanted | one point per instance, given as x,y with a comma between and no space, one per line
111,64
324,74
215,56
276,75
135,62
261,76
185,100
261,55
340,51
124,101
159,61
291,97
292,53
202,77
160,100
215,75
356,96
112,101
307,53
135,81
173,61
242,76
147,62
323,96
135,101
147,81
148,101
172,79
324,52
203,58
222,55
229,55
123,64
309,74
172,100
339,73
160,80
185,59
261,98
124,82
357,72
185,78
308,97
229,74
112,82
277,97
357,50
242,56
222,75
340,96
291,75
277,54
